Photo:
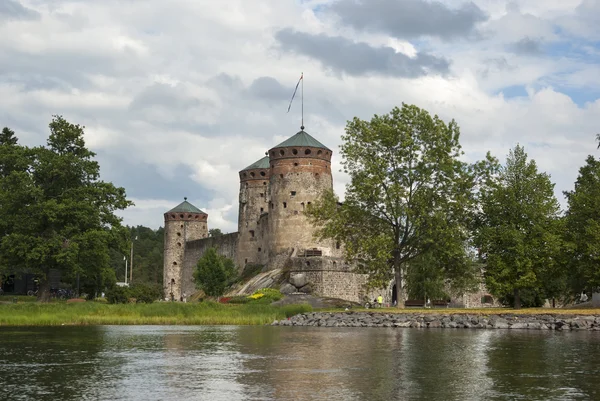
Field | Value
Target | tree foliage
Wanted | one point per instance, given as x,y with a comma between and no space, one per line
56,213
409,194
583,226
519,234
215,232
214,273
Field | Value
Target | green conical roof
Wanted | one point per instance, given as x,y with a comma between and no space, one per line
262,163
301,139
185,207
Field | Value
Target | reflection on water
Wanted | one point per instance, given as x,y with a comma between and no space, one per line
287,363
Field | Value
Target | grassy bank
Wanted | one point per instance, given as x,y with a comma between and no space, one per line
94,313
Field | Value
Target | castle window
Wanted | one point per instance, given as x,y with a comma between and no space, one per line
179,234
319,152
317,175
189,216
262,209
282,152
262,173
259,249
272,153
244,175
271,205
307,263
174,264
308,203
280,175
245,261
172,216
302,205
262,195
295,164
251,233
179,244
295,151
272,165
252,174
173,280
181,216
307,152
293,193
284,205
264,183
196,216
487,299
181,226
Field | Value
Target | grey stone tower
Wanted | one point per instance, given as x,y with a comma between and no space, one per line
185,222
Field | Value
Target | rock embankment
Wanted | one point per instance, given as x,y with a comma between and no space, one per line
454,321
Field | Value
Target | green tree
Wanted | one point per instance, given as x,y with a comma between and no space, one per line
409,194
215,232
214,273
518,235
583,226
57,213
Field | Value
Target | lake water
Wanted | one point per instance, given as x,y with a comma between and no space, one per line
296,363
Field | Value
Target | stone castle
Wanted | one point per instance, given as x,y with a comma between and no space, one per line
273,230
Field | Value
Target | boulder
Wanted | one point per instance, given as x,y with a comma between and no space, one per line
298,280
287,289
307,289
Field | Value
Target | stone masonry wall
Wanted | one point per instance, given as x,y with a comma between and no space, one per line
225,245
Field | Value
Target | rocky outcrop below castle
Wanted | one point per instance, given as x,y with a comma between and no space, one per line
440,320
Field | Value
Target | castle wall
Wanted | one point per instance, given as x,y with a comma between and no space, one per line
331,277
179,229
299,175
253,202
226,245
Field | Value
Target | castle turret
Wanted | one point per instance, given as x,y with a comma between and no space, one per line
300,172
254,191
183,223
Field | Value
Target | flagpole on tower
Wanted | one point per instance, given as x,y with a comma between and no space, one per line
302,101
301,95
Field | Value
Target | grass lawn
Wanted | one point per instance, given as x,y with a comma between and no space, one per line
96,313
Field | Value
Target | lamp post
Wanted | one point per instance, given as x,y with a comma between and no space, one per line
125,259
131,262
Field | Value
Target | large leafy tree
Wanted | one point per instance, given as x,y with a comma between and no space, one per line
583,226
214,273
519,234
409,194
57,213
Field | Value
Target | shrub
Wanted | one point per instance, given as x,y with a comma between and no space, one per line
117,295
145,293
265,296
239,300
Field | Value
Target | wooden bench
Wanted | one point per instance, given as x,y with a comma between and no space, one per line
440,303
414,303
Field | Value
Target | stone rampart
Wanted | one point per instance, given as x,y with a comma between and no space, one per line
225,245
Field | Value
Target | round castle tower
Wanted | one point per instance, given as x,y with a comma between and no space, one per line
253,202
300,172
185,222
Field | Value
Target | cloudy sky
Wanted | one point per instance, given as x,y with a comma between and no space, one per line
177,96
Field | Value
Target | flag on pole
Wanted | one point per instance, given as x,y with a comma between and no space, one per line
301,75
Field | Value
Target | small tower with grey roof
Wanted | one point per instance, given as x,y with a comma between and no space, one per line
253,202
185,222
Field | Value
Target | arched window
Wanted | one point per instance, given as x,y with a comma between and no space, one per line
282,152
295,151
307,152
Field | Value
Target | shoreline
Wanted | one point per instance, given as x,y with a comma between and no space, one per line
432,320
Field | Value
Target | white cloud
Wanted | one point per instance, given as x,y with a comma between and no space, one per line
165,88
